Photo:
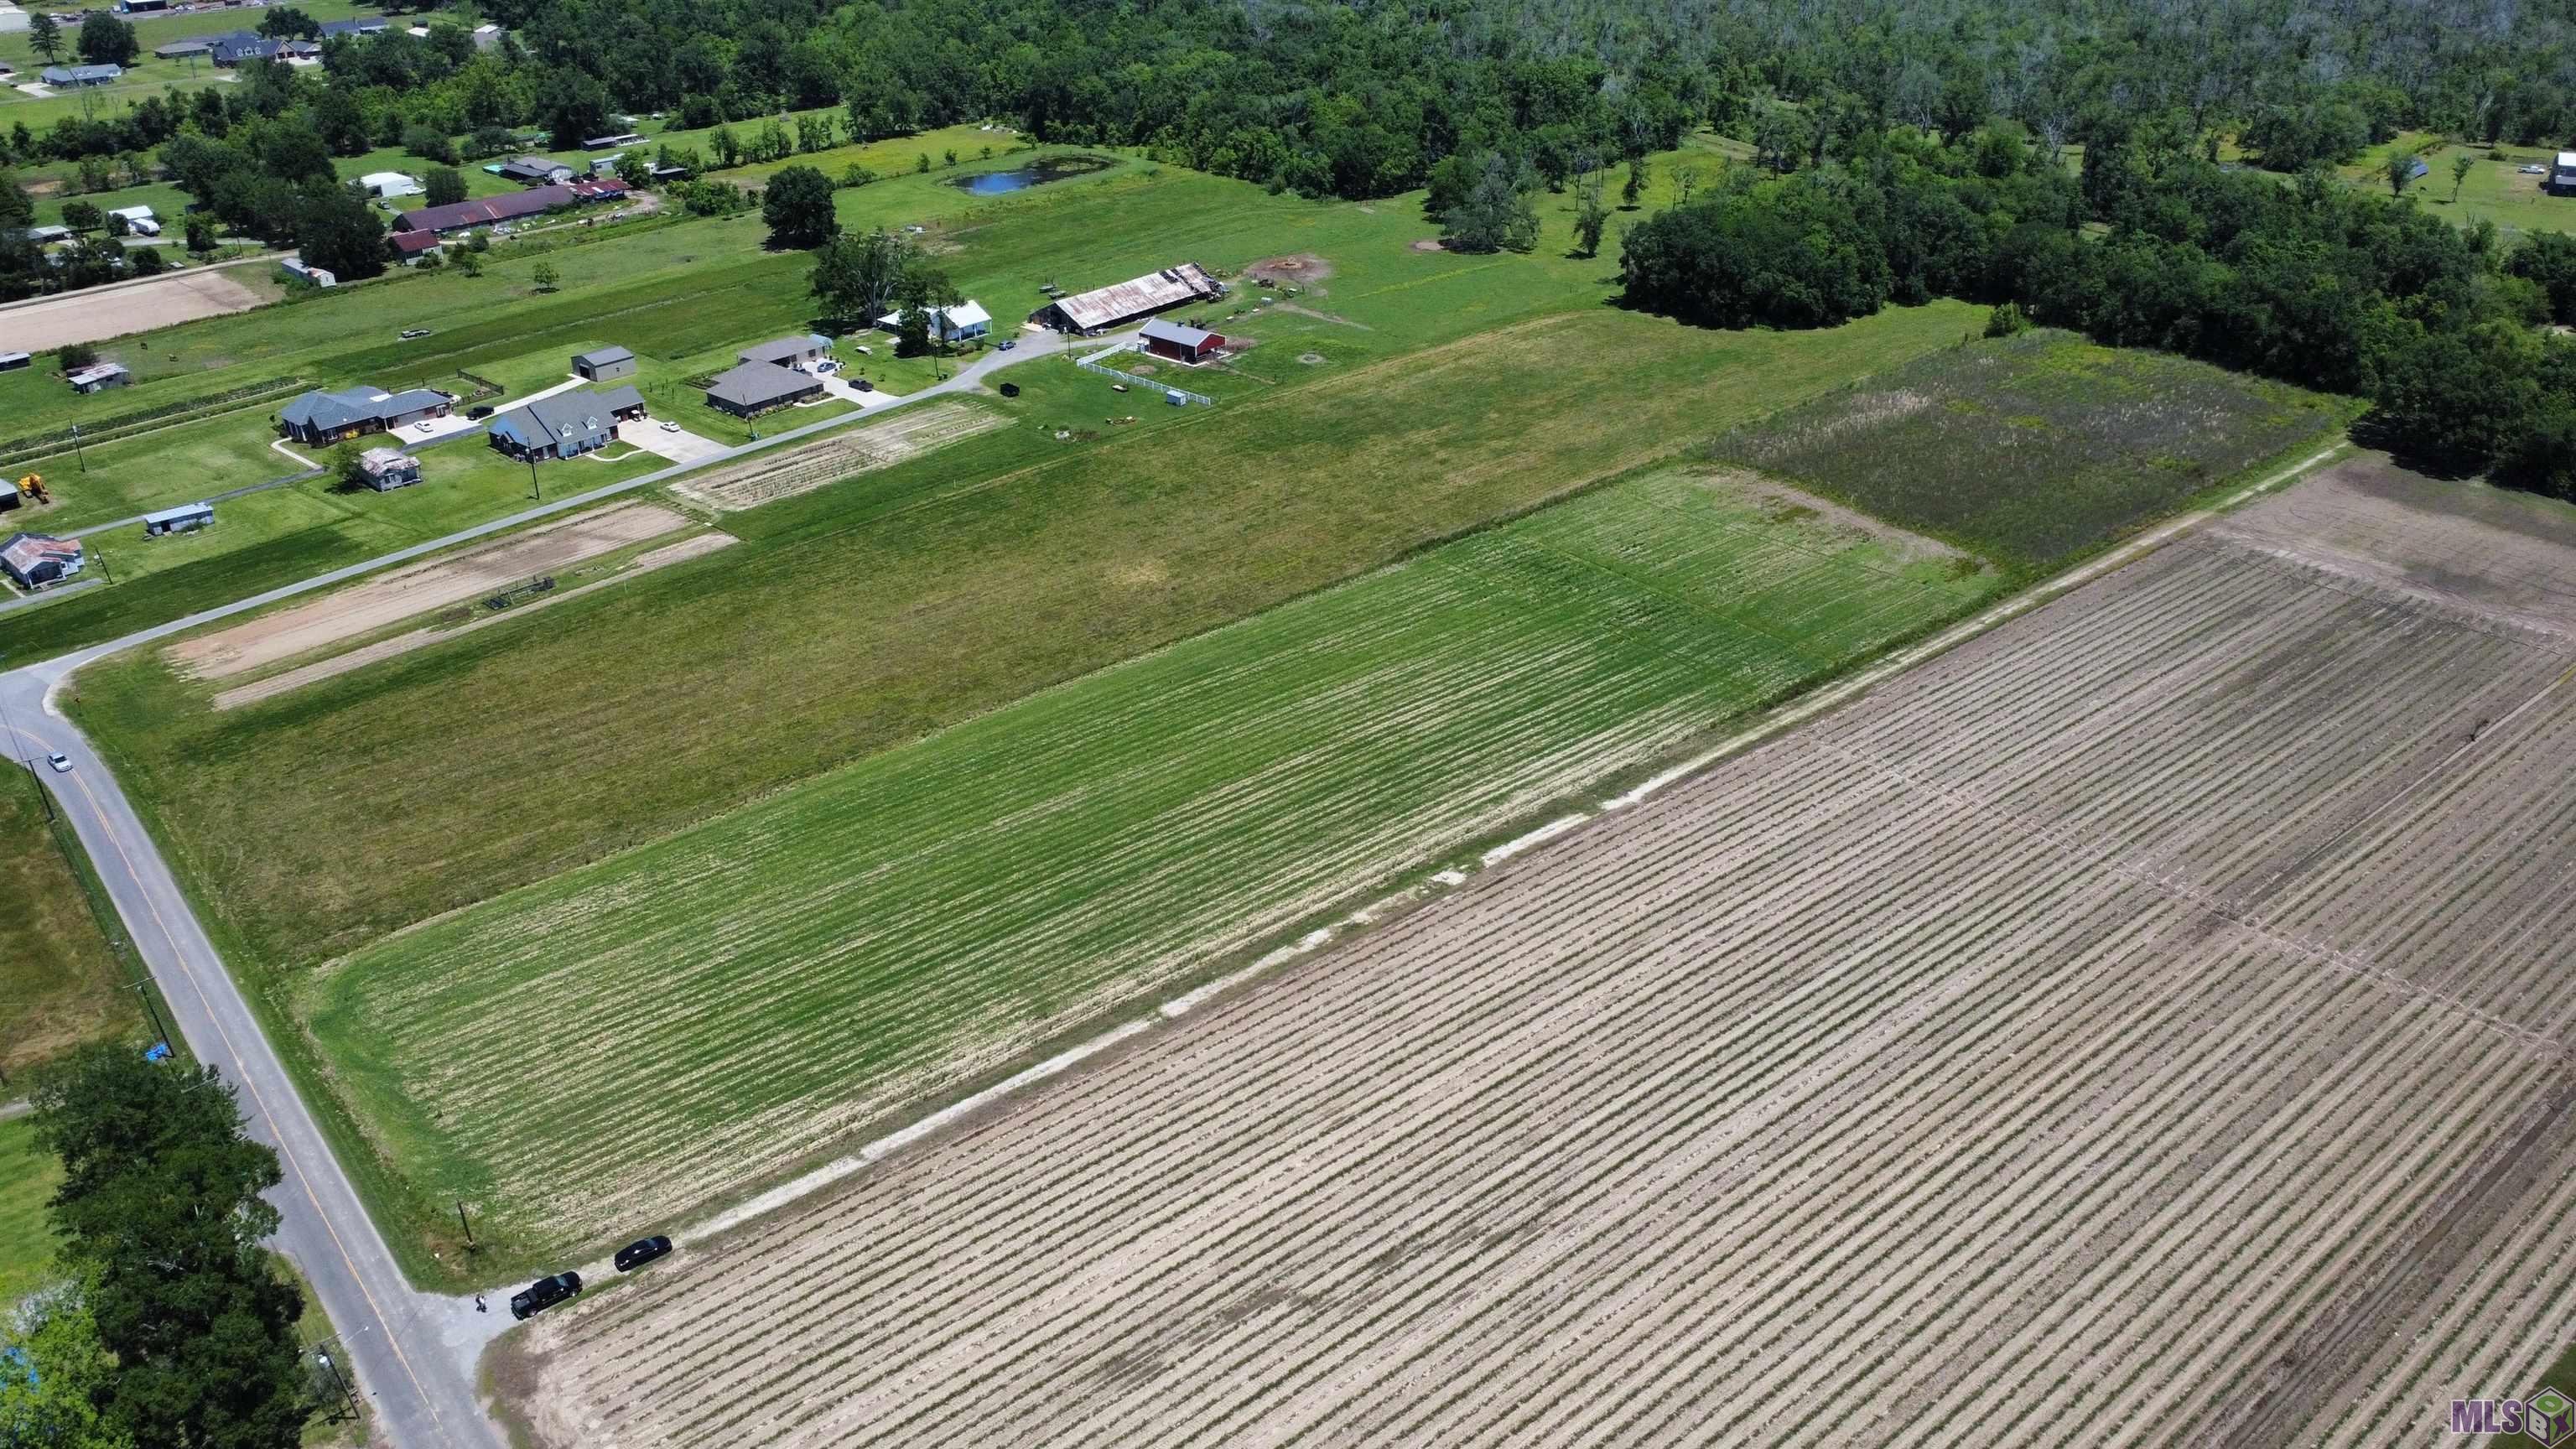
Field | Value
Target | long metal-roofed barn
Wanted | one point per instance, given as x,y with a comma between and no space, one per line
507,207
1104,307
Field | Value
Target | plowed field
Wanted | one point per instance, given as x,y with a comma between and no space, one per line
2144,1025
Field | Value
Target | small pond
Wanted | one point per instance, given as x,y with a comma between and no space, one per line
1053,168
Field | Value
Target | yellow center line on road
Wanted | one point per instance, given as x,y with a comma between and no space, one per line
392,1340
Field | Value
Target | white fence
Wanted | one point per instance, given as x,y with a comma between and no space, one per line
1094,363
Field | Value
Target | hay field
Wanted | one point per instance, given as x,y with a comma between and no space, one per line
788,472
2144,1025
810,963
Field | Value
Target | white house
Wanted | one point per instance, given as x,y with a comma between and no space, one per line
2562,177
962,323
318,276
385,185
138,220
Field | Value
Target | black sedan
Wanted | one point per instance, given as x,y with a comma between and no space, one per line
642,1251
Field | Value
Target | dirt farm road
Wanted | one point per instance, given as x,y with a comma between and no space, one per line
413,1353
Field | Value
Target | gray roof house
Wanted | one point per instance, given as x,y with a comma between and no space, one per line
328,417
532,171
81,75
604,364
566,424
752,388
182,49
802,351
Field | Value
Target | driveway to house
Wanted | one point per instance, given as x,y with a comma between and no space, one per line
679,445
414,1354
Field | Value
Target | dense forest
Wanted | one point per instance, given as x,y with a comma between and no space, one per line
1902,150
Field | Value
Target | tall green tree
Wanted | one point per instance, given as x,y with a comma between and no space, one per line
56,1377
106,40
798,208
443,185
856,274
2461,166
1496,215
2398,170
45,35
337,230
160,1212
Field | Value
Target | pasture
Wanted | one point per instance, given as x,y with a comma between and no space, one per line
2033,449
2495,189
27,1178
2143,1025
920,918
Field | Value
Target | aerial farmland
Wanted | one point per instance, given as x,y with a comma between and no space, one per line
2076,1034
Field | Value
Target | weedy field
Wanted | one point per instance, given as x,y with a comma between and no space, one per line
901,926
2146,1023
2034,448
61,984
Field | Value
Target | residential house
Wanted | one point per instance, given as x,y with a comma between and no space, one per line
42,235
386,185
532,171
1180,344
231,50
606,165
604,188
1106,307
138,220
363,25
330,417
184,49
463,215
410,246
65,77
753,388
388,468
98,378
604,364
610,143
962,323
40,560
565,424
796,352
186,518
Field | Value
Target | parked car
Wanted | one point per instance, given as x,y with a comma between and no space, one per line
409,333
478,411
2535,170
827,366
1006,344
864,385
642,1251
62,763
544,1293
670,427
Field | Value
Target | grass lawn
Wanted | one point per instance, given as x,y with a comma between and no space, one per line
284,534
2495,189
62,980
167,203
27,1179
899,923
2034,449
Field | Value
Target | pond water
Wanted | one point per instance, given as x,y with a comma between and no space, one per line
1053,168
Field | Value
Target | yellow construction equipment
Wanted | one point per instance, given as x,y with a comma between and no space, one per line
32,487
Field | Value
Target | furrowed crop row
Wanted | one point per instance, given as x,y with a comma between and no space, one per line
1037,865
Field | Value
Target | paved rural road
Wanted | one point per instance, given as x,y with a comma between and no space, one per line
414,1353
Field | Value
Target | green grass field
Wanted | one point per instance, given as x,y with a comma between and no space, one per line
999,878
62,983
2495,189
27,1179
2034,449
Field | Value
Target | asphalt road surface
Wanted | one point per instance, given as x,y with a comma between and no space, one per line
413,1354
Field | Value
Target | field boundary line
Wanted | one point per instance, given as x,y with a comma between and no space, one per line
1174,1008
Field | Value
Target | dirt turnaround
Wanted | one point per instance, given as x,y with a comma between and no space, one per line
1304,269
2143,1024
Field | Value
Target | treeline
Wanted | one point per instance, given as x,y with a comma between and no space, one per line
2310,281
171,1324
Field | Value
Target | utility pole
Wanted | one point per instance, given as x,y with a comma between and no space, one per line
534,486
167,1040
346,1392
471,1246
76,448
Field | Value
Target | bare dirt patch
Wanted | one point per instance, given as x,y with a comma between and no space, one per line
417,589
787,472
96,315
400,644
1430,244
1304,269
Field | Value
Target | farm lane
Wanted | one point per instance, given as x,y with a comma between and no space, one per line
413,1353
393,1339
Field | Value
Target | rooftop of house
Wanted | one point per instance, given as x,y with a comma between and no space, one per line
781,348
751,384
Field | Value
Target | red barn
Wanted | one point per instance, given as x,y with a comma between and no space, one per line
1180,344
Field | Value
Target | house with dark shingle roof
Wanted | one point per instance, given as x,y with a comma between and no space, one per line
753,388
460,215
565,424
329,417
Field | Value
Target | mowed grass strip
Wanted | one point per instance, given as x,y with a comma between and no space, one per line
2032,449
27,1178
750,989
61,984
875,611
